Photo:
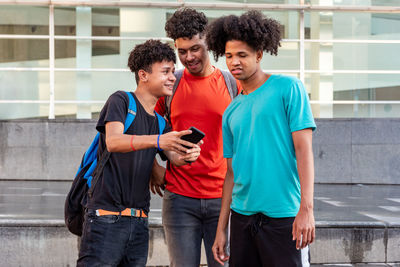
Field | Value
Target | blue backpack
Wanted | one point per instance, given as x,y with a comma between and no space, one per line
88,173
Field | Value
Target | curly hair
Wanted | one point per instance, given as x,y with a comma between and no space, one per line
143,56
186,22
252,27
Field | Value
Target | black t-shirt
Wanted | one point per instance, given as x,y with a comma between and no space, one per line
124,182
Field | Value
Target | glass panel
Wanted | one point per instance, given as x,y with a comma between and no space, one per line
10,111
357,2
104,21
24,53
65,21
346,25
287,59
96,86
357,110
69,111
89,86
24,20
105,54
344,56
357,87
26,85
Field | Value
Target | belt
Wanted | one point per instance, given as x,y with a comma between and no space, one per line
126,212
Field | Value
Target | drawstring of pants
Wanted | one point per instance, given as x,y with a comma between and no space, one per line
256,223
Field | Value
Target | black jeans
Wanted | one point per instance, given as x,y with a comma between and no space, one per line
114,240
259,240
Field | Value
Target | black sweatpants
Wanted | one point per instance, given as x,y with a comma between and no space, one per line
259,240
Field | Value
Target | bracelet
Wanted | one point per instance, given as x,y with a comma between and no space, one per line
133,149
158,143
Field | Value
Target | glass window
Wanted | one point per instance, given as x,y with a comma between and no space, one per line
350,25
10,111
96,54
97,86
24,53
72,111
358,2
351,56
24,85
355,110
354,87
24,20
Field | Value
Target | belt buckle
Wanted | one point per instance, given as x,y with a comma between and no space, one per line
134,212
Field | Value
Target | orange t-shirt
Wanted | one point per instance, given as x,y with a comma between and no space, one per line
199,102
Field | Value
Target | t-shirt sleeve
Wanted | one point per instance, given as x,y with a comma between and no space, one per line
115,109
227,137
160,106
298,109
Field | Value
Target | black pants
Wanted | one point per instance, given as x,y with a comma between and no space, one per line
259,240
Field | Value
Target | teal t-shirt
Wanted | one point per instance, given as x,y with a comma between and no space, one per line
257,133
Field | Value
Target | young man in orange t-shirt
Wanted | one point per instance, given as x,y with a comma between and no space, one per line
192,197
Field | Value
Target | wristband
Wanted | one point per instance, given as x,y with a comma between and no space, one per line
158,143
133,149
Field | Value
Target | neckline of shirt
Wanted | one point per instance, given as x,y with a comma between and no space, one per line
264,85
191,76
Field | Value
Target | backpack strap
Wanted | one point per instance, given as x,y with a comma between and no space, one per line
230,83
131,111
161,123
168,99
96,168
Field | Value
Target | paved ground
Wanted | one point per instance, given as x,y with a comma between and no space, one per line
23,201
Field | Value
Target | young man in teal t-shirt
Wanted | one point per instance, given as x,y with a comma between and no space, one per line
267,132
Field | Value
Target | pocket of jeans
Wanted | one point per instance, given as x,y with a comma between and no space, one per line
109,219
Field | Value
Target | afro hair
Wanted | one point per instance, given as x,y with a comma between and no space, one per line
252,27
186,22
143,56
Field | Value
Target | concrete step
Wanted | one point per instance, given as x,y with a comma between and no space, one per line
355,224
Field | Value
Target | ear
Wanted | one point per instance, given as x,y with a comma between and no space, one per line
259,56
143,75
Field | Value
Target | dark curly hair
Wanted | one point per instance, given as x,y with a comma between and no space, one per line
186,22
252,27
143,56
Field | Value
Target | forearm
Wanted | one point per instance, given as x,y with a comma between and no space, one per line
226,201
305,166
126,143
158,171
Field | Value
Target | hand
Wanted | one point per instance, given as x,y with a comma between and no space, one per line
172,141
192,154
157,185
157,179
157,189
218,248
304,228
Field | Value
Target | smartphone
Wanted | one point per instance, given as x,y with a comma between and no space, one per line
194,137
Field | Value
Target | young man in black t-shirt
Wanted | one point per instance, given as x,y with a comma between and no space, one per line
115,231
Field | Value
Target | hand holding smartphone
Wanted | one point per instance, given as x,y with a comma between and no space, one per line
194,137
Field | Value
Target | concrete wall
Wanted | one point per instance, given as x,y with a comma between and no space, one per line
357,151
345,150
44,245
